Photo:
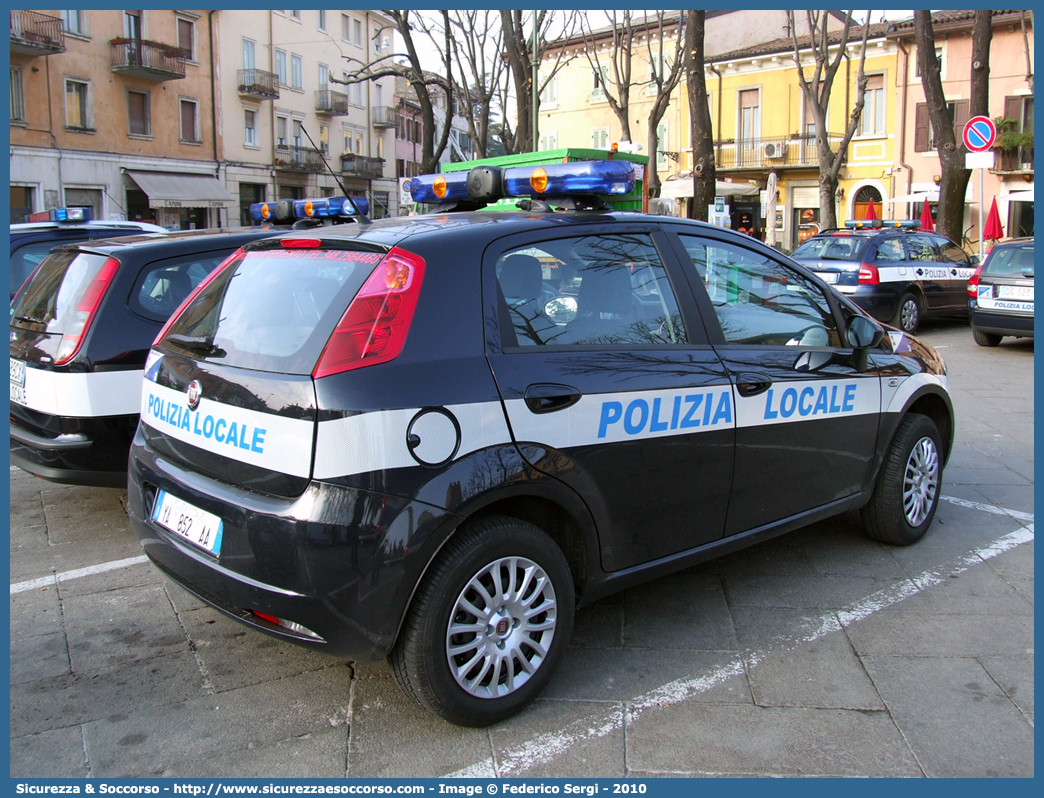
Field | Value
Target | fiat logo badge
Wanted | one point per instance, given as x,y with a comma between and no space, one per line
195,390
503,625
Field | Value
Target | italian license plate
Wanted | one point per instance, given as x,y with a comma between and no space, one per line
827,277
1016,292
18,382
195,525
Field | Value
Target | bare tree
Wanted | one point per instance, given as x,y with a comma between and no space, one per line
427,85
953,176
817,97
477,41
518,50
701,132
612,71
666,72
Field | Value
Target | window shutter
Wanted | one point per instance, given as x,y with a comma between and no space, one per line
961,115
921,128
1013,108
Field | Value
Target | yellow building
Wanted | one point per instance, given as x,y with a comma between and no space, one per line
762,124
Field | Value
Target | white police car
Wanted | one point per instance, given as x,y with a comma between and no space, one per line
386,440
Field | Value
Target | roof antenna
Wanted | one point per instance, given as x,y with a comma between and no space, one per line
361,217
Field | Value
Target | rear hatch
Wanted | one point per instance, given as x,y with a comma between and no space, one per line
1006,280
51,318
834,258
229,389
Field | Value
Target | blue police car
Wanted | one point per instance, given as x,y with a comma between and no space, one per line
893,270
388,440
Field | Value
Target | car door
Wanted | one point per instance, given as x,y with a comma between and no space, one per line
929,270
611,386
959,269
806,415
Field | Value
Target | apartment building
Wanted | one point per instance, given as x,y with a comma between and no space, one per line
114,111
1011,97
762,124
575,112
284,116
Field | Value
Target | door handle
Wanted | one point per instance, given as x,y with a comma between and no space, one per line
752,384
547,397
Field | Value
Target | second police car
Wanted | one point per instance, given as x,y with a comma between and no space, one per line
386,440
893,270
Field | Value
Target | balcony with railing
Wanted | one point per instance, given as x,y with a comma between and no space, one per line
150,60
298,159
33,33
258,83
1018,161
785,152
362,166
331,103
384,117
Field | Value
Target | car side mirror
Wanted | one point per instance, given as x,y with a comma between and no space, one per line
864,333
974,260
561,309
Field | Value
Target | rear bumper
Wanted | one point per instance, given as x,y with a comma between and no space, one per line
340,562
87,451
995,323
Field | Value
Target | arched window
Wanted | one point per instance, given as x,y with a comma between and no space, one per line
863,199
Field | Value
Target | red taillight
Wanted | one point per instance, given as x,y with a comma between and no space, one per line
77,328
973,283
197,291
300,243
868,275
266,617
374,328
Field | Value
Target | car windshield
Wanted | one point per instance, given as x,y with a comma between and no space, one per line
52,296
840,247
272,310
1010,262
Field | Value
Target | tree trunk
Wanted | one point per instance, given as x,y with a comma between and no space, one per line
827,192
953,181
652,178
520,63
701,132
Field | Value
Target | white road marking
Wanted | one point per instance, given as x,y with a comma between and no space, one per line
545,747
988,508
65,576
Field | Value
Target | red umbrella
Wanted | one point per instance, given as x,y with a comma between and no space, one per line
993,231
926,219
870,215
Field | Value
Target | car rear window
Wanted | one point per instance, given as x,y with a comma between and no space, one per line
272,310
1010,262
49,301
163,285
832,248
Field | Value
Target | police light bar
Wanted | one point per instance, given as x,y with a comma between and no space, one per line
876,224
278,211
329,207
70,215
440,188
563,179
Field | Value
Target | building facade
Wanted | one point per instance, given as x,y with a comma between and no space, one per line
284,116
114,110
1011,97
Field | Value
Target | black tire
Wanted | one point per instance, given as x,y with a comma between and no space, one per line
985,339
421,660
888,517
907,313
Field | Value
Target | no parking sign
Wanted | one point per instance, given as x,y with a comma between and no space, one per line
979,134
405,198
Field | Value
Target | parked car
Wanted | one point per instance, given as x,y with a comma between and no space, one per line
81,328
1000,293
893,270
377,440
31,241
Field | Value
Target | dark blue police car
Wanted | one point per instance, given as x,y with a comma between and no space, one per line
893,270
386,440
